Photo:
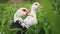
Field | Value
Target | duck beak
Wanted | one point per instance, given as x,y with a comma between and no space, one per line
28,14
40,7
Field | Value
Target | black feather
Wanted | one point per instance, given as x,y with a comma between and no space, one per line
17,24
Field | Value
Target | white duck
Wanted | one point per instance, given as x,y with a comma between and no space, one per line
20,12
18,21
30,20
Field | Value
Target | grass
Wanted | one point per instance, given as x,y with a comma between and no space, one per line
48,17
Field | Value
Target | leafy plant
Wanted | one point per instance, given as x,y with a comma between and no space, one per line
48,17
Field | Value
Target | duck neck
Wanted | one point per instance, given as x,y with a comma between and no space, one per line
33,12
17,15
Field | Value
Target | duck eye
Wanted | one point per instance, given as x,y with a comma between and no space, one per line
24,10
35,4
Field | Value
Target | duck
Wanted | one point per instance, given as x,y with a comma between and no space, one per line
18,21
32,20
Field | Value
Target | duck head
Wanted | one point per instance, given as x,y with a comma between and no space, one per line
36,5
24,11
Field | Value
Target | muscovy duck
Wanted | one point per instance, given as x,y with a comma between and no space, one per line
18,21
31,20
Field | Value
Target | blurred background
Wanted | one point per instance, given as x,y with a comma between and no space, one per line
48,17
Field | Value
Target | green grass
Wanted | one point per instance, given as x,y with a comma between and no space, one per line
48,17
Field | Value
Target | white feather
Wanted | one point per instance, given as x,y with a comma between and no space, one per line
19,13
31,20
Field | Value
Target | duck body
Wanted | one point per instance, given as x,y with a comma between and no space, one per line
30,20
18,21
